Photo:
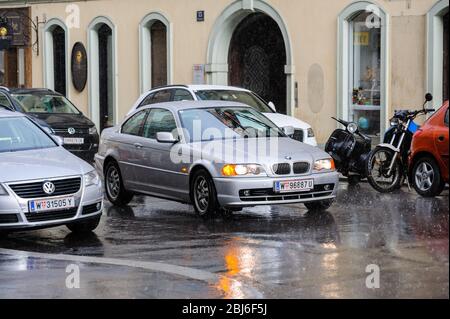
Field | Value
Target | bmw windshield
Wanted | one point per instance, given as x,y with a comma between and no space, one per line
226,123
244,97
20,134
45,103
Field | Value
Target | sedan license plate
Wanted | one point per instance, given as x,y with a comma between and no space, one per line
45,205
294,186
73,140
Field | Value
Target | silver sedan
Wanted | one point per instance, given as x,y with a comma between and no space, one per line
42,184
215,155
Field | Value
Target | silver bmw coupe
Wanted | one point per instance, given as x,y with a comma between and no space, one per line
41,183
214,155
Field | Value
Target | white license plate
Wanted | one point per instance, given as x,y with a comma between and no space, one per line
73,140
301,185
45,205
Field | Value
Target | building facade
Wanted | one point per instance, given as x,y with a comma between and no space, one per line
358,60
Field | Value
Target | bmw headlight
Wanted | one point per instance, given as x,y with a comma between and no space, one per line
324,164
93,130
3,191
91,178
352,127
310,132
242,170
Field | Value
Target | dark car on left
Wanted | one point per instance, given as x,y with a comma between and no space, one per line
56,113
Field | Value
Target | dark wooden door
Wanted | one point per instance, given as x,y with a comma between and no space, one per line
257,58
59,60
105,74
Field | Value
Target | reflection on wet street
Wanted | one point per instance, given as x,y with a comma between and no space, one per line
159,249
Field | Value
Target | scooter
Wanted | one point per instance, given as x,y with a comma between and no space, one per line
350,151
387,167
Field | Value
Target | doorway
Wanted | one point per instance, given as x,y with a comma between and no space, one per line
257,57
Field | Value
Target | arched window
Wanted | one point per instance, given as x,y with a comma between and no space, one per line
55,56
362,43
155,42
437,52
102,72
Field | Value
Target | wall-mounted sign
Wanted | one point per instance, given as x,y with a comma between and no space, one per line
200,16
5,34
19,27
79,66
198,74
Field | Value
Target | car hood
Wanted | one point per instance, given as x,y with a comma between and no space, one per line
273,150
282,120
63,120
40,164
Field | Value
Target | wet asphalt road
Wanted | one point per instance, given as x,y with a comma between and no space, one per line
159,249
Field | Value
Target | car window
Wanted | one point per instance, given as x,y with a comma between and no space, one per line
182,95
5,101
446,118
244,97
134,124
159,120
45,103
157,97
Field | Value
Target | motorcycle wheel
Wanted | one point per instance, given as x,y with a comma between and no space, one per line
377,168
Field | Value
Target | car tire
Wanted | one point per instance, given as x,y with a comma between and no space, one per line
114,188
320,205
203,194
388,187
85,226
426,177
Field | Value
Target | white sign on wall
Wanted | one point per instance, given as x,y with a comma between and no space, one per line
198,74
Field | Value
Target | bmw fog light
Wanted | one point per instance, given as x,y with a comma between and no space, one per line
91,178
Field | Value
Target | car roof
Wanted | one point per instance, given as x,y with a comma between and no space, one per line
31,91
199,87
185,105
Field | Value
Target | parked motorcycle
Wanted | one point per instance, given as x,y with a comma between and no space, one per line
350,151
387,167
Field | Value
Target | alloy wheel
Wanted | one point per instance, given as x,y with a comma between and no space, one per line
201,194
113,182
424,176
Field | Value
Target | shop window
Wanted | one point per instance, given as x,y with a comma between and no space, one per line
59,59
364,74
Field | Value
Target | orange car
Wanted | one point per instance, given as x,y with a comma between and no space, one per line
428,160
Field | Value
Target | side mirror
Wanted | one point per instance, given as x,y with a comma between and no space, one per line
288,130
166,137
58,139
272,106
428,97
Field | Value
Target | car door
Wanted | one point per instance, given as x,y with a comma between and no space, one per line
163,176
129,148
441,138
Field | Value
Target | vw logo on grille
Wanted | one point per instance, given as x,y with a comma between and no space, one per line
71,130
48,188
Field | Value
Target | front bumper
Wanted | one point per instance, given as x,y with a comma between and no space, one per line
14,213
243,191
